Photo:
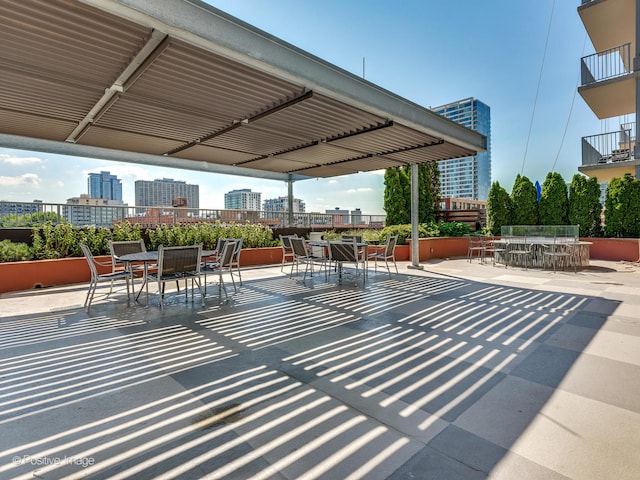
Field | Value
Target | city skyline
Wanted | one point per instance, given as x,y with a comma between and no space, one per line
426,53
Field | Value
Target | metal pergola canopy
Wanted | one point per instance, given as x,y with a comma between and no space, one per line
179,83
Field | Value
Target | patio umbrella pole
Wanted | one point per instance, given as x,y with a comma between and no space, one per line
415,243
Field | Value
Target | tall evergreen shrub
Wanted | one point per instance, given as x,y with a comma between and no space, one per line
524,197
553,207
622,213
585,208
499,209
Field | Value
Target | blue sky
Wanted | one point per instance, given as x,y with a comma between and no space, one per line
428,51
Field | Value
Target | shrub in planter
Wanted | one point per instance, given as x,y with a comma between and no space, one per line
14,252
254,236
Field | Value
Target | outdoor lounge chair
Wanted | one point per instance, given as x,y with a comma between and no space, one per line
105,277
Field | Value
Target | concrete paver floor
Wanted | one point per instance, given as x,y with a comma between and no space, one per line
460,371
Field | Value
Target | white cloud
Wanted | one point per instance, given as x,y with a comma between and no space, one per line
360,190
26,179
19,161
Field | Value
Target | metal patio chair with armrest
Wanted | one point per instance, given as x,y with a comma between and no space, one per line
125,247
235,261
287,250
105,277
492,246
519,248
389,253
222,265
558,251
345,252
176,264
474,247
303,254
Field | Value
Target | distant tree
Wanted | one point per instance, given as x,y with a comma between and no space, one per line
524,197
622,215
397,196
585,208
499,209
553,208
29,219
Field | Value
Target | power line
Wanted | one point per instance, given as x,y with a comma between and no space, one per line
535,101
566,127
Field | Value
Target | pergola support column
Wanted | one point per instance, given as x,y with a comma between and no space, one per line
415,241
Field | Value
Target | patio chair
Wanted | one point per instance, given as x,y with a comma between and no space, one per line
389,253
519,248
287,250
558,251
474,247
104,277
303,254
235,261
175,264
490,246
125,247
345,252
222,265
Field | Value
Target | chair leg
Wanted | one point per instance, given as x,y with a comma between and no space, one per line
90,293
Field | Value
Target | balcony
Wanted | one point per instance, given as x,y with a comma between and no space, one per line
608,83
609,147
609,22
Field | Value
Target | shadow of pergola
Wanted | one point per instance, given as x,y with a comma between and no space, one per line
290,379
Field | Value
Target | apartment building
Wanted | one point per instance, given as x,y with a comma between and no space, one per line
242,199
610,86
162,192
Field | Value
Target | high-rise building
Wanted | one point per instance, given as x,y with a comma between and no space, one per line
162,192
104,185
243,199
281,204
610,86
467,177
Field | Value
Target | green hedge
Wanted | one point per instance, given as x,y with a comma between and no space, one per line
63,240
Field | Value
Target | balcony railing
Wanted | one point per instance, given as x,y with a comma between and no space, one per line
609,147
26,214
607,64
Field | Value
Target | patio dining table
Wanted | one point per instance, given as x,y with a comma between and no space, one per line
361,245
151,257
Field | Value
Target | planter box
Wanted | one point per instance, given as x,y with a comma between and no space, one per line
614,249
16,276
260,256
440,247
